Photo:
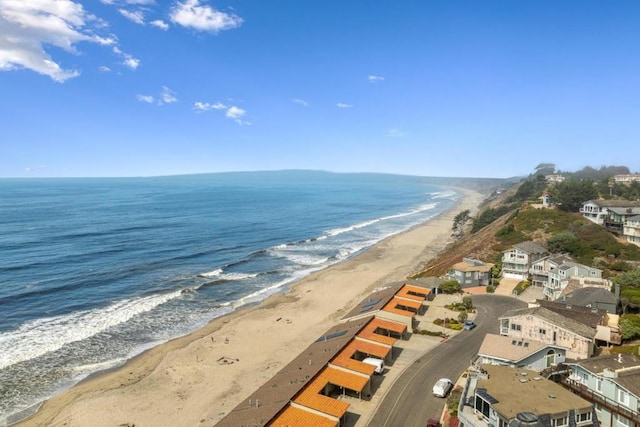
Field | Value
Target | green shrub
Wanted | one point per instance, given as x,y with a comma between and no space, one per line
467,302
490,289
520,287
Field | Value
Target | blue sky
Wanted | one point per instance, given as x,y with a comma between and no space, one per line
420,87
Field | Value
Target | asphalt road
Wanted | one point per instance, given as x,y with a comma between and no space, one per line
409,402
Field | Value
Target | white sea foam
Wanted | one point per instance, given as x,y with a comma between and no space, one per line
442,194
419,209
238,276
214,273
46,335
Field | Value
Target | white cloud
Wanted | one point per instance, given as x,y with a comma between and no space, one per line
136,16
231,111
166,96
234,112
343,105
191,14
26,27
104,69
395,133
127,60
301,102
149,99
205,106
160,24
374,79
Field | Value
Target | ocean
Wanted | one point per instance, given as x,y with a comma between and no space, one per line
96,270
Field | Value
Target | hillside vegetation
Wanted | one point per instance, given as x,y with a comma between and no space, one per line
511,217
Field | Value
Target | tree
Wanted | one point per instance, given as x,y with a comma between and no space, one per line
630,326
450,287
545,169
570,195
467,302
460,222
563,241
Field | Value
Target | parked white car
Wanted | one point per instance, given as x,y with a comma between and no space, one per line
378,363
442,387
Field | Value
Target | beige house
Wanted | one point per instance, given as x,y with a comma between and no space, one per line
547,326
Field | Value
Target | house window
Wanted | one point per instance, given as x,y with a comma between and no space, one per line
516,327
542,331
482,406
623,397
599,385
560,422
624,422
583,418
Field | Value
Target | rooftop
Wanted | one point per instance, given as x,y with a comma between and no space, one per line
590,317
510,349
519,390
550,316
627,367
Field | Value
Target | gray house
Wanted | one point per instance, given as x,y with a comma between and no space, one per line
612,384
471,273
591,297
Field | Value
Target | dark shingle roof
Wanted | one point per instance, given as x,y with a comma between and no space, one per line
589,317
531,247
626,365
588,296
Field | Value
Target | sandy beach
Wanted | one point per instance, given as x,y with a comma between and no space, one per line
197,379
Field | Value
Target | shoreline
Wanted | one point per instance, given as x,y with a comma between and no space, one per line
198,378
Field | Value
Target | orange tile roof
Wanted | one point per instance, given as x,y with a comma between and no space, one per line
343,359
310,397
346,379
410,291
297,417
370,331
392,306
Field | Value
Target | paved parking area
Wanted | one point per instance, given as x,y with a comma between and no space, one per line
405,353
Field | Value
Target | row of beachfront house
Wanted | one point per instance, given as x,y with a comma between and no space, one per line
621,217
315,388
556,274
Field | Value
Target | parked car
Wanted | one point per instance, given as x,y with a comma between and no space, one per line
442,387
378,363
469,325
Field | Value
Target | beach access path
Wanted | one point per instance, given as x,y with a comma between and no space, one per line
199,378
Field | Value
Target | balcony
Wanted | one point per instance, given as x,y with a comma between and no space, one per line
593,397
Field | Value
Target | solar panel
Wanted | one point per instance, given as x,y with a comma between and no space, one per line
331,336
370,303
482,392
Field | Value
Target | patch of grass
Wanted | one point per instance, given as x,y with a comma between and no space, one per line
625,349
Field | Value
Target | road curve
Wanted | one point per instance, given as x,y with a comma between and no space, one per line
409,402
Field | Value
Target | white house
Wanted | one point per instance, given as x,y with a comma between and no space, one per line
517,260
